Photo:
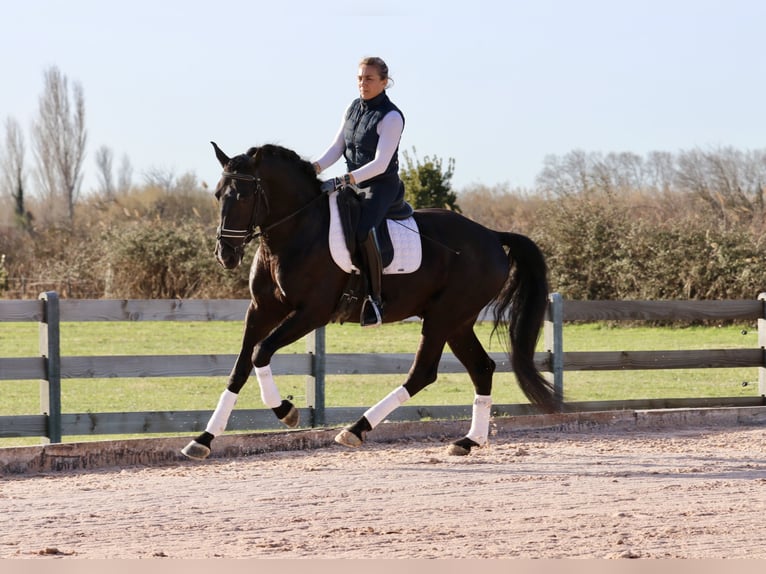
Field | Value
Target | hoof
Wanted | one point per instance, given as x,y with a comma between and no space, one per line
292,418
195,451
462,447
347,438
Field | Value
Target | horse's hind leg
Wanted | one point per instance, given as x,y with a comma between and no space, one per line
470,352
423,373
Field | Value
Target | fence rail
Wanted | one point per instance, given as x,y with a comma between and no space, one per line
50,367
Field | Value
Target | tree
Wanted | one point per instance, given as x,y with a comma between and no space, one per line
566,176
124,176
582,173
110,189
427,184
60,137
12,171
660,170
105,177
729,180
161,178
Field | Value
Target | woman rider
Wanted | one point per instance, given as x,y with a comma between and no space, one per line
368,139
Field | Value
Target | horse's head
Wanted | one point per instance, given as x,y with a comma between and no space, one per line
239,193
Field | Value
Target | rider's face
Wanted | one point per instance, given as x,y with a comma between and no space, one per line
369,81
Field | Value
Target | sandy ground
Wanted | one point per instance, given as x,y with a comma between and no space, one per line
697,493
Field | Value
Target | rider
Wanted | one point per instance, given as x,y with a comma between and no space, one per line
368,139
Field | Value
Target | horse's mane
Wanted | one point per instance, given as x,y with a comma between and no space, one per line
285,154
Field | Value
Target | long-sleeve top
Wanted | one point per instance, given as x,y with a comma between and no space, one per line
389,132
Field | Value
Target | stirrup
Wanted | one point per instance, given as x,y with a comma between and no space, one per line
370,316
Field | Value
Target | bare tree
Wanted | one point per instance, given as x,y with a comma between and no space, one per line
59,138
660,170
104,167
161,178
124,176
569,175
626,169
729,180
12,170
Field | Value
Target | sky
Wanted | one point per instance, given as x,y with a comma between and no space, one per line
497,85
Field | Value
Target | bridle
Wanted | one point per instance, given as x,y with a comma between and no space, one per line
248,234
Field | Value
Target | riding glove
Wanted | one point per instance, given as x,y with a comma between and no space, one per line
335,183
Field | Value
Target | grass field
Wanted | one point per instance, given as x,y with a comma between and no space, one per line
163,338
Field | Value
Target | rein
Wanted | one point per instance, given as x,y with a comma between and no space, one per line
293,214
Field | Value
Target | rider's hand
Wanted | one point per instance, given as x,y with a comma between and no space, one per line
335,184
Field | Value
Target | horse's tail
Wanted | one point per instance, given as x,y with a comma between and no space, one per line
520,306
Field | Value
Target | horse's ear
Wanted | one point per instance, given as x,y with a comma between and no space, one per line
222,157
255,153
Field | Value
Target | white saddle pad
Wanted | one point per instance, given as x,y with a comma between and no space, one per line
408,252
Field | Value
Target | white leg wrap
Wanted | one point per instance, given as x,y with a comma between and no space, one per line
482,404
376,414
217,423
269,392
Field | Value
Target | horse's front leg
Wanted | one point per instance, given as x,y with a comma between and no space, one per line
295,326
256,327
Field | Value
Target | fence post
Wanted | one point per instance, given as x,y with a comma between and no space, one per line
50,350
315,347
553,334
762,344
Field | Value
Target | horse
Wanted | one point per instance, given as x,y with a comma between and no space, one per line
270,192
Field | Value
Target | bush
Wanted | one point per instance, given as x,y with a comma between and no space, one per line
159,261
52,259
602,248
612,243
131,260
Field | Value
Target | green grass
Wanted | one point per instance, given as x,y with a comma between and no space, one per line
194,393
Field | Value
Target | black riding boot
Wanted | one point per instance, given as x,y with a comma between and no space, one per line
372,315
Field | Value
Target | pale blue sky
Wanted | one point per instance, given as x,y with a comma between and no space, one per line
497,85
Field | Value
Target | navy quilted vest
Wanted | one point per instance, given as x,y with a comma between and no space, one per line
361,133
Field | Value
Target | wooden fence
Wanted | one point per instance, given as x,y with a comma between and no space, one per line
50,367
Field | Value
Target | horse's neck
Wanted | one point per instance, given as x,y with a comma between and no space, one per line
298,222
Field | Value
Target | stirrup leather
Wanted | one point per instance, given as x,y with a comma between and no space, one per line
371,307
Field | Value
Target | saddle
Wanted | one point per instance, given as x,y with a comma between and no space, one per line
349,210
399,254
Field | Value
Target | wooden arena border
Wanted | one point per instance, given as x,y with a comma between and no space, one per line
94,455
50,367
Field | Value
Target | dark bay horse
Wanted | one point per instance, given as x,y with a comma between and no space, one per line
296,286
